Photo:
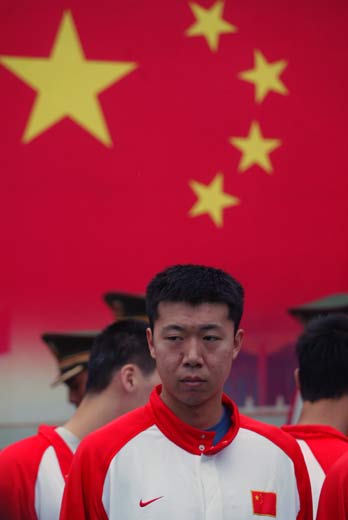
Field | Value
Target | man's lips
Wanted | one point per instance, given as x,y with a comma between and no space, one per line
192,381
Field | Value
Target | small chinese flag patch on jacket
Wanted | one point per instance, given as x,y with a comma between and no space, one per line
264,503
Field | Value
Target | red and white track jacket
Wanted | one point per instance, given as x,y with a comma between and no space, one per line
150,465
32,476
321,446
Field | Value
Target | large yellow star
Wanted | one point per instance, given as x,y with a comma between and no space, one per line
67,84
212,199
255,149
265,76
210,24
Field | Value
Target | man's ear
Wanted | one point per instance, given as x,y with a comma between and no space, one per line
149,336
238,340
128,377
297,378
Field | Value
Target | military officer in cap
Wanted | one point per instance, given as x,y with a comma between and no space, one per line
71,351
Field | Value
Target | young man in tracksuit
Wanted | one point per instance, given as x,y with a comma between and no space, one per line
188,453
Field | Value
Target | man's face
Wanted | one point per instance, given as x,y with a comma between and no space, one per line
77,387
194,347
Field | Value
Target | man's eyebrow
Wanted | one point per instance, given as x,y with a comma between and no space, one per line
173,326
203,328
209,326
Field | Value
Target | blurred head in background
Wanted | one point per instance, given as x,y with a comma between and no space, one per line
120,360
322,353
71,351
121,375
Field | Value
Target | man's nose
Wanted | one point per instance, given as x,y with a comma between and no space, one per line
192,352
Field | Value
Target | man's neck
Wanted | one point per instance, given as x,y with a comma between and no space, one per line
95,411
329,412
201,416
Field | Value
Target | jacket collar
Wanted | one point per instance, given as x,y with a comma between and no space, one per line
194,440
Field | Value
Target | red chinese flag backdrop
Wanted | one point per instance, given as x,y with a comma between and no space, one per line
86,211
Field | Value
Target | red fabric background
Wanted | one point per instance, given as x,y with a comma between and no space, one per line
79,218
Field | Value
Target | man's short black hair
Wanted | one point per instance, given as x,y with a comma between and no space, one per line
195,284
322,353
118,344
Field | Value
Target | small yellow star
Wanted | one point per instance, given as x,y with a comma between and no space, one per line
67,84
265,76
210,24
212,199
255,149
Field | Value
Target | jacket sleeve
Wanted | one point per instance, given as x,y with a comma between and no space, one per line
333,502
82,499
303,486
17,486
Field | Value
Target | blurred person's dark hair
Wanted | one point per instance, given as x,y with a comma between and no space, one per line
322,353
118,344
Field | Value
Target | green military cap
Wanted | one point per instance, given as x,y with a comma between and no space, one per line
126,305
326,305
71,350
